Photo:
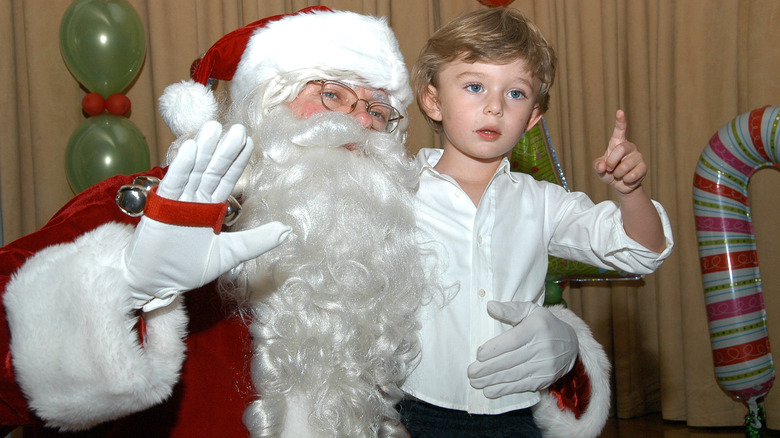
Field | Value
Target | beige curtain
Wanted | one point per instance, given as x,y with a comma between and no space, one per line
680,69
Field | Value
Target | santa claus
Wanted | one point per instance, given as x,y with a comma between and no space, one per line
299,318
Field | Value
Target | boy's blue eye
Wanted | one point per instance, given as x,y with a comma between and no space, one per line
516,94
474,88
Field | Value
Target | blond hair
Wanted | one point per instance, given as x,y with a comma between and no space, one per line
496,36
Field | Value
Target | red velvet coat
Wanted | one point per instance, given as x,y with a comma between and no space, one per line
214,388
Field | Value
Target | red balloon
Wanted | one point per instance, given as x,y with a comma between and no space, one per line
118,104
93,104
496,2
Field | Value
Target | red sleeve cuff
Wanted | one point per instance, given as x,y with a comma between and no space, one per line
188,214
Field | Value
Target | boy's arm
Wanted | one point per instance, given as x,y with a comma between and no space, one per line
641,220
623,167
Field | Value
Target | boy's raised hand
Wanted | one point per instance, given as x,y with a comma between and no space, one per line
622,166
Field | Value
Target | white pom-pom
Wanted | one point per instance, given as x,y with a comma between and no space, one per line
187,105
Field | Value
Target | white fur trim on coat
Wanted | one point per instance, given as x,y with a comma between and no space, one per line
75,352
555,422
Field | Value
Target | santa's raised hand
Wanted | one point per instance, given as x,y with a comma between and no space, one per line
171,251
622,166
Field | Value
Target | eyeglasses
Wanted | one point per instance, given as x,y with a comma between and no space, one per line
338,96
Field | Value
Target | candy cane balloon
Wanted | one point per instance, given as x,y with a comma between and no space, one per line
727,250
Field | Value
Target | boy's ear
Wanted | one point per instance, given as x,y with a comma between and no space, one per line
430,103
536,115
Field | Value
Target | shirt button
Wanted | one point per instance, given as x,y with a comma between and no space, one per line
479,240
481,293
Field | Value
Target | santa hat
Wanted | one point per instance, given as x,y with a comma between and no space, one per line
314,37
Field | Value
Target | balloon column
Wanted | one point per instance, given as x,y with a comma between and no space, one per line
729,262
103,45
535,155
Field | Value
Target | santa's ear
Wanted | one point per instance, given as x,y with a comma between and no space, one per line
430,103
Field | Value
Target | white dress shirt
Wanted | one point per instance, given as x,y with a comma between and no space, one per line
498,251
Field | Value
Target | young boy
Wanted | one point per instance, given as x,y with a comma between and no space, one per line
483,81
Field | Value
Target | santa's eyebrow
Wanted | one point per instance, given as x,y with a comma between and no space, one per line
377,95
380,96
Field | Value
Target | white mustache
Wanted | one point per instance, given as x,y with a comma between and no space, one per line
329,129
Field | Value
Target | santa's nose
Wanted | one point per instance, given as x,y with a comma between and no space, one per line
362,115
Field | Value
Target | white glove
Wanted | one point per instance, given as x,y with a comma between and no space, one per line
538,350
164,260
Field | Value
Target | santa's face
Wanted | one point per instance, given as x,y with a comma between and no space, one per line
302,176
311,100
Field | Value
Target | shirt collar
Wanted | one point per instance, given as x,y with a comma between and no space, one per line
428,157
506,168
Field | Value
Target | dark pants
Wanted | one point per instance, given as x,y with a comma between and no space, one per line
423,420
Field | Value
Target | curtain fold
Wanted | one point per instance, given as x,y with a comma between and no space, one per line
680,70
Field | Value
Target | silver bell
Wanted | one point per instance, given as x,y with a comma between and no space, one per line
131,200
146,182
233,211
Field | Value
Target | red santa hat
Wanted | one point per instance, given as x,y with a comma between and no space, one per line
314,37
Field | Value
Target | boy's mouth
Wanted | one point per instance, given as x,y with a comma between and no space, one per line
489,133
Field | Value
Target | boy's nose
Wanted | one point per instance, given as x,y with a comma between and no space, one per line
494,105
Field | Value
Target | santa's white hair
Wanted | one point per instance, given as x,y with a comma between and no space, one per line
333,310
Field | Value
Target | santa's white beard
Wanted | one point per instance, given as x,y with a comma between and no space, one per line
334,307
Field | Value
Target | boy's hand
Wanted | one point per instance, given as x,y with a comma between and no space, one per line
622,165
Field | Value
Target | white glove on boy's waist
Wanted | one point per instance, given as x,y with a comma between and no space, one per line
538,350
163,260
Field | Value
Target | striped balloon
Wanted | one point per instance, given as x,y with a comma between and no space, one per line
727,250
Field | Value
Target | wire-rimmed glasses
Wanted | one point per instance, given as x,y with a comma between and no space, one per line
338,96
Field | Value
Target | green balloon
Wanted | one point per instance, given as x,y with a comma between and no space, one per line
553,293
103,44
104,146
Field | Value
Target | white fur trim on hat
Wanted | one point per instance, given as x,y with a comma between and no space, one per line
338,40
